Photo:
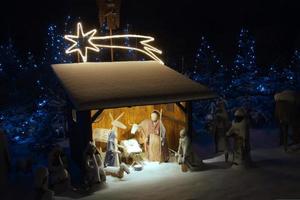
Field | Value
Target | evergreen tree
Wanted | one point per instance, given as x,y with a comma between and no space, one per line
208,69
244,71
293,74
10,59
130,54
56,45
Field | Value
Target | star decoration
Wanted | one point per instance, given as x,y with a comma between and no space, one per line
77,39
83,42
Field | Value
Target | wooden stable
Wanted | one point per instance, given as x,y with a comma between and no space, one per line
174,119
135,88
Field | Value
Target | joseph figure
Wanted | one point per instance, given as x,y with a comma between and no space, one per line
155,138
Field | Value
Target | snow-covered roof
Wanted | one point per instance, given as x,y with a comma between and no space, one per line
121,84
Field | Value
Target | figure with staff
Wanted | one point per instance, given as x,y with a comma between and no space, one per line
154,134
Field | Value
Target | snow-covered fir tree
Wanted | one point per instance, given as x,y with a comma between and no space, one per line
209,71
208,68
244,70
293,72
56,45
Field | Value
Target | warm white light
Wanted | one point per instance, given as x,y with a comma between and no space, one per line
147,49
74,39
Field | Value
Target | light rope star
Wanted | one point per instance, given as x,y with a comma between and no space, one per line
90,37
75,40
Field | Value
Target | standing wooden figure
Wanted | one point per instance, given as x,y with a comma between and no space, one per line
221,125
156,141
112,152
240,132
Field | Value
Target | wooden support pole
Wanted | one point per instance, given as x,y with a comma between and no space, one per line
85,124
111,43
187,109
96,115
189,117
80,136
181,107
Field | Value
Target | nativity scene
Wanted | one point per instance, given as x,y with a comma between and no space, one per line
132,120
146,140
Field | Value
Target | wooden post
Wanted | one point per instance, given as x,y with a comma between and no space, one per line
189,118
78,57
109,12
80,136
182,64
96,115
187,109
111,49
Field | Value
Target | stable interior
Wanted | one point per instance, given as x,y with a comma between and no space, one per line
173,118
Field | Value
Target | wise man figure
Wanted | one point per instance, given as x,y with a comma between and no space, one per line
59,176
240,132
42,192
220,126
112,152
155,138
95,170
184,150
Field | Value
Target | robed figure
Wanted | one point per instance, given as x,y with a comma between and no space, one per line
154,132
111,156
240,132
94,172
59,176
220,126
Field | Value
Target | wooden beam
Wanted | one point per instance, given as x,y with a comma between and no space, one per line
96,115
181,107
187,109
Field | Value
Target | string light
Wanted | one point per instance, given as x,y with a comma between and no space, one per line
74,39
147,49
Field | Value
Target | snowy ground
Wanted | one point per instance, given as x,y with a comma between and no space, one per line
275,175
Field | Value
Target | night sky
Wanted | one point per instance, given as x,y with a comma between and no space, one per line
177,25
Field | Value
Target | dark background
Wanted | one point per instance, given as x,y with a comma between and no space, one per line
177,25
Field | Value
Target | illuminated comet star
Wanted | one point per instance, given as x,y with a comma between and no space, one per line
92,44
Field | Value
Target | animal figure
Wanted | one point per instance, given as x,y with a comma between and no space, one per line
102,134
117,172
